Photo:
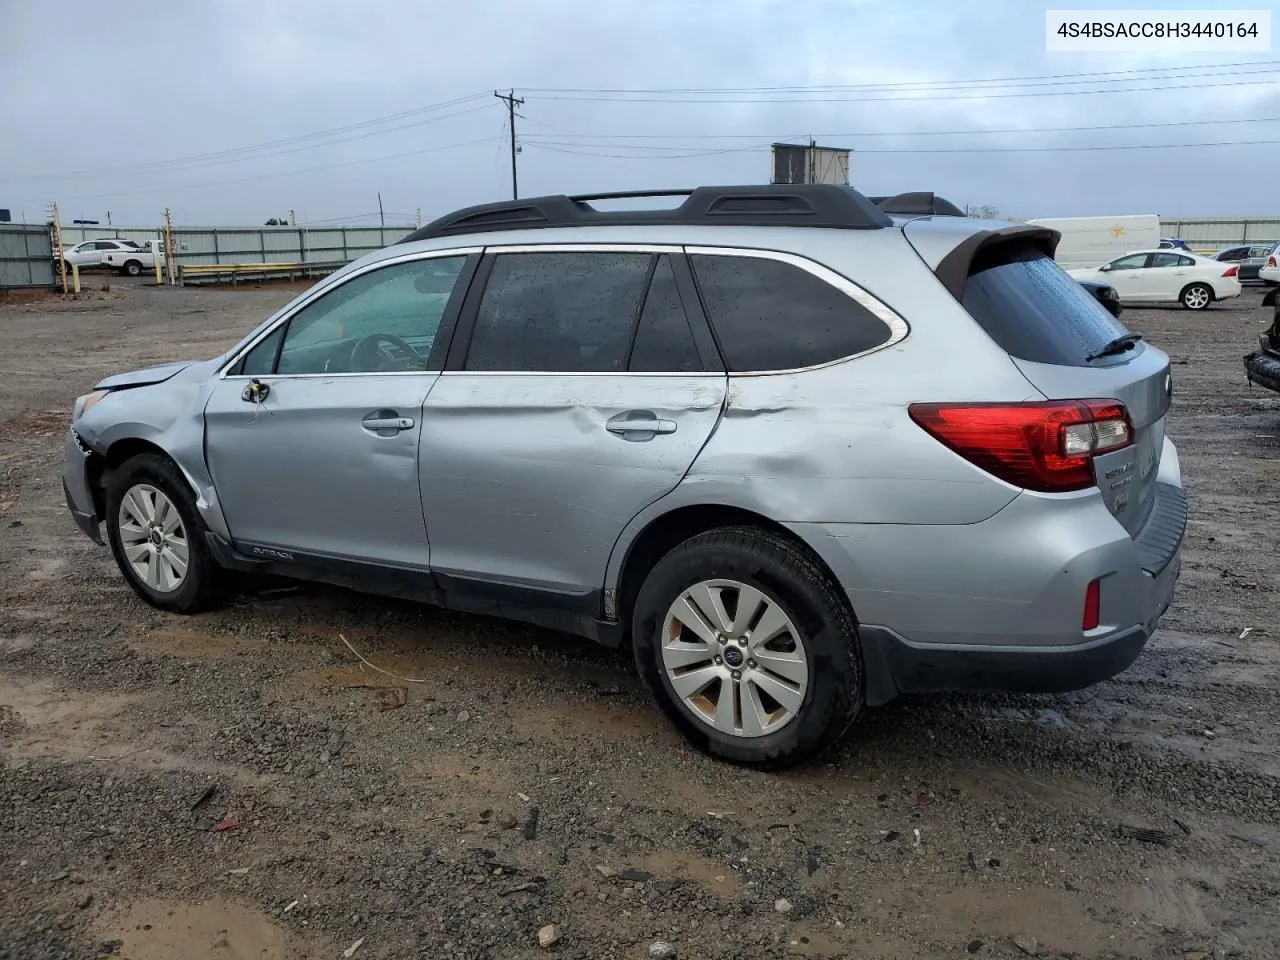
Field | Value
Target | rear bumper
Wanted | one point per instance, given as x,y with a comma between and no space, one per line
998,605
895,665
1263,368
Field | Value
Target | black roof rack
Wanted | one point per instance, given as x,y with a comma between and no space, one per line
771,205
920,203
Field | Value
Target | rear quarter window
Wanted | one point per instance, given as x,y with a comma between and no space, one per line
771,315
1030,306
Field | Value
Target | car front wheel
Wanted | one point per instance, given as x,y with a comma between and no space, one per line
748,648
157,536
1198,296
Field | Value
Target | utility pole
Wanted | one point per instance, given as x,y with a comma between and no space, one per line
812,161
293,219
512,101
168,247
382,221
419,216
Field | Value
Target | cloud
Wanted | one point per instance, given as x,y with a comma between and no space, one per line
128,86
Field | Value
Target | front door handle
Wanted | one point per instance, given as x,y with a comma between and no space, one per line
381,424
639,425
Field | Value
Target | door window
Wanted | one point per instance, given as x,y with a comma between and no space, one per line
382,321
664,343
772,315
559,312
1168,260
105,245
1134,261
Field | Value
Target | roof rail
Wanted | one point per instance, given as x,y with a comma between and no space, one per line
921,203
770,205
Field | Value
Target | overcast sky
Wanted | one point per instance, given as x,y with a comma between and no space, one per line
113,92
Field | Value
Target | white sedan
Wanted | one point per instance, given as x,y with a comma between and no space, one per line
1166,276
1269,272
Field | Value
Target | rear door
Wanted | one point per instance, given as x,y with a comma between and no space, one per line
1166,274
1051,326
577,393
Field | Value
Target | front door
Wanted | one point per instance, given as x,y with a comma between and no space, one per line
1126,276
576,395
325,463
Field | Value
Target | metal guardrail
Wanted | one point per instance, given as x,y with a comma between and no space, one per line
235,273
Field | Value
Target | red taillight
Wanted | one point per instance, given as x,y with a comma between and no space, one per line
1047,446
1092,605
1271,261
1229,272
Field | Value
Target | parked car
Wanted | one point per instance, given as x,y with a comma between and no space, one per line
1173,243
1269,272
135,260
123,256
1263,365
1105,294
1248,258
1166,276
696,432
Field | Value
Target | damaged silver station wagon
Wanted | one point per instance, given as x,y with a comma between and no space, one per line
800,450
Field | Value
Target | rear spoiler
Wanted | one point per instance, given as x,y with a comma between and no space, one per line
919,204
954,268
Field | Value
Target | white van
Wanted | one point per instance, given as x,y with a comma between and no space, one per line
1090,241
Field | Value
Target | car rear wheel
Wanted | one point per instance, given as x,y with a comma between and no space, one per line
157,536
748,648
1197,296
133,268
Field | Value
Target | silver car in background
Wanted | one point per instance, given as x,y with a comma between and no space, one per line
800,454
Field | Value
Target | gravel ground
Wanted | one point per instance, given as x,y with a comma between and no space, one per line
235,785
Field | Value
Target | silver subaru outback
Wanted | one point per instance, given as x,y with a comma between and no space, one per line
800,451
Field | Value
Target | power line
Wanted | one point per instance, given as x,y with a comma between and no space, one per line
979,95
286,173
1047,149
1120,76
201,159
888,133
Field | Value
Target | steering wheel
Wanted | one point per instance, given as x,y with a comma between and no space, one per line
370,353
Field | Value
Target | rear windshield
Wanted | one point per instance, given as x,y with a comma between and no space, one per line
1033,309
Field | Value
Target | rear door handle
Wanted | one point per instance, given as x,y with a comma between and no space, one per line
378,424
639,425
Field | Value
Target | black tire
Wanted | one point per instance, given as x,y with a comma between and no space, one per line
202,585
67,266
133,268
1190,296
790,577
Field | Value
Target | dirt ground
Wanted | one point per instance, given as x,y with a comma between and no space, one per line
237,785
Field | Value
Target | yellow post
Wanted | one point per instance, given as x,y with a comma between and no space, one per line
155,258
75,277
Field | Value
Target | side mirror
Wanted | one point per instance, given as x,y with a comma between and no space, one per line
1105,267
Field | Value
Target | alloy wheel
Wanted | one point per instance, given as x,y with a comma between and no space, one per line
734,658
153,538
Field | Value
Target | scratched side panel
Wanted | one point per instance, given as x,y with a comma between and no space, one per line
835,444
